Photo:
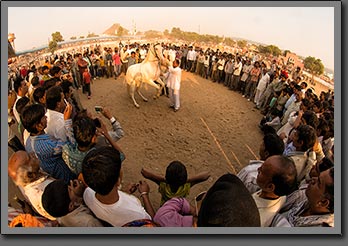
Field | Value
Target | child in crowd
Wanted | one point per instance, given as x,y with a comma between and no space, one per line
87,82
175,183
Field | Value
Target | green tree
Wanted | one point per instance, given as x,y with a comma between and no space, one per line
241,43
152,34
166,32
314,65
92,35
56,36
82,37
52,46
286,52
73,38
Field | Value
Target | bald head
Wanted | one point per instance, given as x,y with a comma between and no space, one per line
23,168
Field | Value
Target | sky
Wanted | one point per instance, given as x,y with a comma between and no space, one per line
306,31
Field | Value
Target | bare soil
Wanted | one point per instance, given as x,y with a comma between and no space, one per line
215,129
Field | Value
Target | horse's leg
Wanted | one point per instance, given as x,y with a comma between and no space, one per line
131,89
140,94
161,87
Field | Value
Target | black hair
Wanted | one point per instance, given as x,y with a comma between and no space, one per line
307,135
17,83
273,144
101,169
54,70
228,203
311,119
53,96
55,198
84,130
32,115
49,83
285,181
35,81
325,164
21,103
38,93
329,191
44,68
66,86
176,175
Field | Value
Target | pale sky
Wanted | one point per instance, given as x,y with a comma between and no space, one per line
307,31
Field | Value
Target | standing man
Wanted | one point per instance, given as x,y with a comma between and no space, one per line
173,83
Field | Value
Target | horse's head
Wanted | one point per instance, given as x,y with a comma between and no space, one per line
157,50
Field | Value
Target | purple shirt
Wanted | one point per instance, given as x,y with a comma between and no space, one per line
174,213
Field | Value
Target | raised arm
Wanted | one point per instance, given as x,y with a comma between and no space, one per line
144,190
153,177
198,178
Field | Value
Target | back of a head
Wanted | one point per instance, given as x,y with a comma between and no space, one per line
274,145
285,178
17,83
176,174
55,198
38,93
228,203
311,119
84,130
101,169
21,103
53,96
32,115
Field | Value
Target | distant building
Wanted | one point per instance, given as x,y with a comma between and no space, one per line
112,31
291,60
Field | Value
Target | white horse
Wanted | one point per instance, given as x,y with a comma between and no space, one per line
147,71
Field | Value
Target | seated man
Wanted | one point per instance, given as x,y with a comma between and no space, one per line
101,170
65,203
271,145
24,170
228,204
276,179
317,210
47,149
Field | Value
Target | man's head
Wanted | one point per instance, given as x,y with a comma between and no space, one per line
84,132
20,86
271,145
23,168
176,63
101,169
56,71
39,95
34,119
320,192
304,137
277,175
55,99
228,203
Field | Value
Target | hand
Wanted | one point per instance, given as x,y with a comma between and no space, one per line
78,187
102,129
68,111
143,187
131,188
106,113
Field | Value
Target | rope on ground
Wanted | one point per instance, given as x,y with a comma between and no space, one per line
219,146
252,152
235,157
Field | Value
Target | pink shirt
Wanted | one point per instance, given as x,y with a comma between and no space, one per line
117,59
174,213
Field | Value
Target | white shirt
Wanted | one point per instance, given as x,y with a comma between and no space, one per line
33,193
263,82
268,208
55,125
238,68
174,78
191,55
15,112
128,208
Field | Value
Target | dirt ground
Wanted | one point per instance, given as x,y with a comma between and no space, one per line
212,131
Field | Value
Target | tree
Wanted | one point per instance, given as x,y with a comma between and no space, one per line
56,36
73,38
286,52
166,32
92,35
314,65
241,43
52,46
82,37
